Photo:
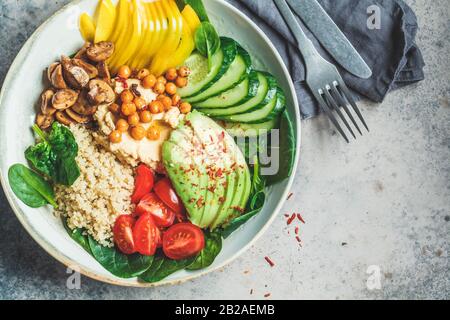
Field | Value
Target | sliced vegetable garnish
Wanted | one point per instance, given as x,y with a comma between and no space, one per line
123,234
183,240
162,215
165,191
143,183
146,235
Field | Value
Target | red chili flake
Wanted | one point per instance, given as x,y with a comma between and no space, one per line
289,221
221,199
296,230
299,217
222,136
289,196
270,262
240,209
251,291
211,189
200,202
219,172
267,295
286,215
298,239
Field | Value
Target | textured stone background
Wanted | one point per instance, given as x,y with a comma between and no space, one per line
381,201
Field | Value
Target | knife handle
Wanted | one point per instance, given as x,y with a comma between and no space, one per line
305,45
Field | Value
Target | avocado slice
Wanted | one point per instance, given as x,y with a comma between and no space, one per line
207,170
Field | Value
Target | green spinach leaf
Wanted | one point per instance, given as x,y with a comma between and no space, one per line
199,8
119,264
79,235
255,203
213,246
55,155
162,267
287,148
207,40
30,187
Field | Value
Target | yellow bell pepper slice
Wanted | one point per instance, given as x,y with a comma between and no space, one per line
187,45
87,27
130,41
122,16
105,20
191,17
125,33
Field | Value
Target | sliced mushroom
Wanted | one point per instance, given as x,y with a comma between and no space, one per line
46,102
44,121
62,117
64,99
100,92
100,51
103,71
78,117
55,73
89,68
83,106
75,76
81,54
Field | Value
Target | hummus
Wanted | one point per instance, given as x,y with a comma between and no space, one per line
136,151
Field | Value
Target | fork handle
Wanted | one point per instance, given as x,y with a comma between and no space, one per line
305,45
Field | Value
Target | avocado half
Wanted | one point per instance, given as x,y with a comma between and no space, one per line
208,171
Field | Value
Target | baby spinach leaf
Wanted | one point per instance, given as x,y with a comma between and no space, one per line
55,155
207,40
162,267
199,8
30,187
79,235
255,203
213,246
119,264
286,149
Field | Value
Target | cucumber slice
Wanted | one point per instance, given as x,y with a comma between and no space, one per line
270,111
238,70
249,129
241,93
266,91
202,77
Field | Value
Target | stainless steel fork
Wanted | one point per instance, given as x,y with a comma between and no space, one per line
323,78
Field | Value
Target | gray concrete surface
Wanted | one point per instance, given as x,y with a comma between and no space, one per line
377,211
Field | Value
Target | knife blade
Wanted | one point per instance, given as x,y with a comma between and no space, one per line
330,36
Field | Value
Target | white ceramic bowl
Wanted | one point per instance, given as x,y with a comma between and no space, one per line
18,99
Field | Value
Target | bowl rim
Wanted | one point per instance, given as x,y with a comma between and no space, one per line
68,262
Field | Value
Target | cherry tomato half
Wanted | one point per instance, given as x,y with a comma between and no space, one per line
143,183
123,234
183,240
146,235
164,190
162,215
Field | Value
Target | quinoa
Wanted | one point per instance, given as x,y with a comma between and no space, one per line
101,193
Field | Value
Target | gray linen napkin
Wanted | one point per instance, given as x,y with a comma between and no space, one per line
390,51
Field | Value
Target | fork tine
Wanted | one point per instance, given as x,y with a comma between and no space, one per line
349,98
336,107
341,102
330,115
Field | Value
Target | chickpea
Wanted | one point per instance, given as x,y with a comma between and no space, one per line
122,125
149,81
159,88
176,99
167,102
153,133
124,72
114,108
161,79
156,106
171,88
143,73
138,132
181,82
140,103
145,116
128,109
185,107
126,96
171,74
115,136
184,72
133,119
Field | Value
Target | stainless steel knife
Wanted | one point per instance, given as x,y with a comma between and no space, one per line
330,36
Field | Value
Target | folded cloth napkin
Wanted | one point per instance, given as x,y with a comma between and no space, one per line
390,51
